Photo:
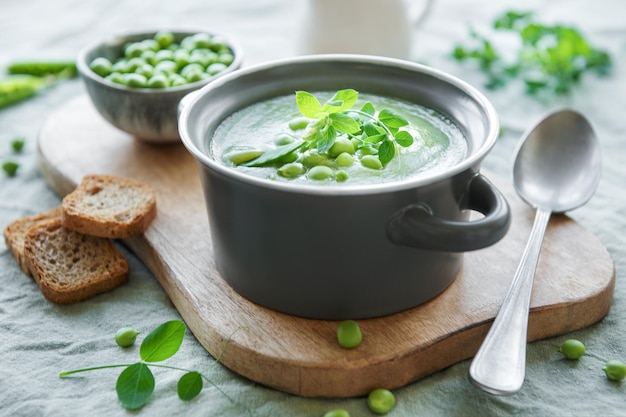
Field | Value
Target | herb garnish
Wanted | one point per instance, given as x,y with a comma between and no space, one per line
552,59
135,384
334,135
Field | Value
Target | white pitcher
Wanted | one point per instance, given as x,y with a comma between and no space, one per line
371,27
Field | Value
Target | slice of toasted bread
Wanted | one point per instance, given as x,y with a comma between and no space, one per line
15,231
109,206
69,266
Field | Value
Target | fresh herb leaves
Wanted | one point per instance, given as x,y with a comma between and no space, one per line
337,117
551,60
136,383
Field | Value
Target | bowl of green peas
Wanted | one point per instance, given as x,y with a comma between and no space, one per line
136,80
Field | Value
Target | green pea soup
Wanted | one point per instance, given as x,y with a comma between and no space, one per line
438,143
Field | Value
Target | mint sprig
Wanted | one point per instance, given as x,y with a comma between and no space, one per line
135,384
551,60
337,117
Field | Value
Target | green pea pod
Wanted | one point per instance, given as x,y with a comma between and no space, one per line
43,68
16,88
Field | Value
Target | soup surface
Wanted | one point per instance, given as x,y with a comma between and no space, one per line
246,139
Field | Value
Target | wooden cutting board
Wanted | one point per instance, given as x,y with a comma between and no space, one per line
573,286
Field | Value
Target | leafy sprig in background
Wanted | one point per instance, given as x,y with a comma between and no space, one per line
551,59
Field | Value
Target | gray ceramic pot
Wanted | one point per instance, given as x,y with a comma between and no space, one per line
353,251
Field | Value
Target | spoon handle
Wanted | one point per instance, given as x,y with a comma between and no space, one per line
499,366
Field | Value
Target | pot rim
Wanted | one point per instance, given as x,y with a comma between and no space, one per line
472,160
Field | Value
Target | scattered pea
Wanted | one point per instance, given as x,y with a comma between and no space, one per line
341,176
320,173
338,412
341,145
291,170
381,401
298,123
126,336
615,370
17,144
10,167
572,349
371,161
344,159
349,334
239,158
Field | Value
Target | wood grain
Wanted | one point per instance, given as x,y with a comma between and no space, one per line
573,286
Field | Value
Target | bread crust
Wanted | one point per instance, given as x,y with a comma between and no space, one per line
70,267
110,207
15,232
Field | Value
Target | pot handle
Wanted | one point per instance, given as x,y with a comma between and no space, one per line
416,226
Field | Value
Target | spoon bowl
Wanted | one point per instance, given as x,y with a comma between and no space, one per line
557,168
558,165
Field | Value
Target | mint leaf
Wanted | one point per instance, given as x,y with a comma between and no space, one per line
344,123
327,139
274,154
134,386
403,138
162,342
308,104
189,385
386,151
391,118
341,101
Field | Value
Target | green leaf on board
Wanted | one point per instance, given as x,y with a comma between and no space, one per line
189,385
134,386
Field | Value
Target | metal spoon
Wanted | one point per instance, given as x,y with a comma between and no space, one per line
557,168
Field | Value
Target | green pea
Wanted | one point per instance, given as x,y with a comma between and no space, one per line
164,38
371,162
168,67
188,43
283,139
203,40
320,173
120,66
101,66
349,334
150,57
133,50
290,157
116,77
190,68
298,123
17,144
291,170
572,349
341,145
165,55
158,81
381,401
344,159
126,336
193,76
368,150
135,80
135,63
146,70
177,80
341,176
181,57
239,158
226,58
313,158
615,370
338,412
150,45
10,168
215,68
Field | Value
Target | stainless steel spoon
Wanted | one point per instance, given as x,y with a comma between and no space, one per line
557,168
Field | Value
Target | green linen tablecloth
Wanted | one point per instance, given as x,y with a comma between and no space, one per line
39,339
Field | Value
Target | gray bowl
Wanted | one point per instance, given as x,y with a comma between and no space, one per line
148,114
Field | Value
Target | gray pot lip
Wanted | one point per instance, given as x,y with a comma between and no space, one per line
87,73
471,162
